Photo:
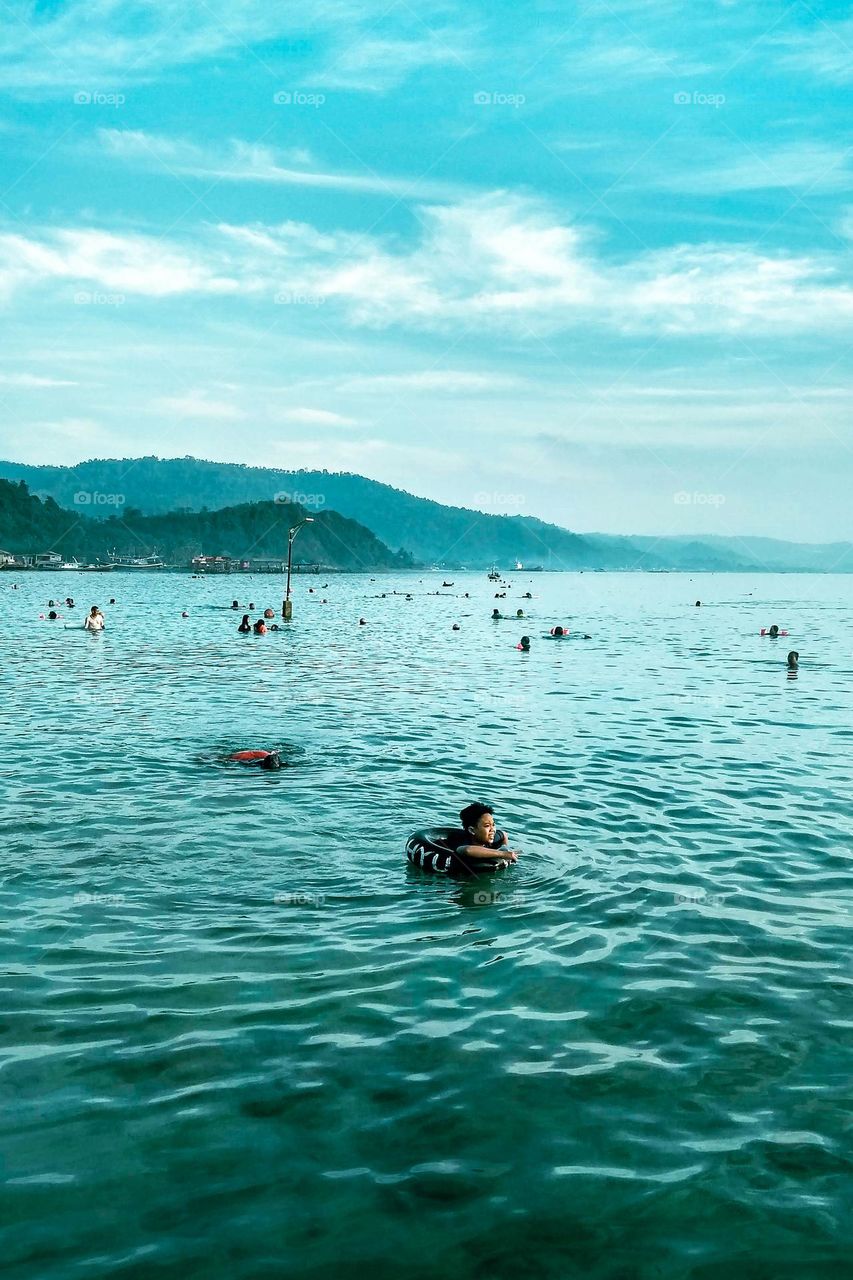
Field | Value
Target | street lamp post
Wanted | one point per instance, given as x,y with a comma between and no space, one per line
287,603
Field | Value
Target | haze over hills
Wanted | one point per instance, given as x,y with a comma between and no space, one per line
429,531
29,524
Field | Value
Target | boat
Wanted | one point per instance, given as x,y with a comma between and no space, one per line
447,584
494,576
136,562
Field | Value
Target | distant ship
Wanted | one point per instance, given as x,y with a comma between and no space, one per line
494,576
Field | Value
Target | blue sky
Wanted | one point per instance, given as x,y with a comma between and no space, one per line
586,261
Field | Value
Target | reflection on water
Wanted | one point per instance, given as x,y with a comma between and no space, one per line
242,1036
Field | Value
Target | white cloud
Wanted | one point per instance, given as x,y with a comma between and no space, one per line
31,380
239,161
443,381
102,44
496,263
813,165
144,265
195,404
316,417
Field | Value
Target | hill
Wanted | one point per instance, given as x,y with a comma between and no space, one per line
29,524
429,531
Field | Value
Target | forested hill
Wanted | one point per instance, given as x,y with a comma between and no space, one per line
429,531
29,524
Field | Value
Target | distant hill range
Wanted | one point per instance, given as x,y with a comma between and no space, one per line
428,531
251,531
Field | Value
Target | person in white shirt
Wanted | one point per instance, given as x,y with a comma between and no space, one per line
94,619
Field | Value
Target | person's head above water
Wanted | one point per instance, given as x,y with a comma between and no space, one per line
524,643
793,660
558,631
773,631
53,615
272,761
235,604
478,820
496,613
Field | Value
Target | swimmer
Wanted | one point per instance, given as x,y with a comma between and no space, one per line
260,627
362,622
262,759
51,604
269,613
698,604
496,613
479,838
53,615
274,627
456,627
112,599
245,626
524,644
185,614
527,596
519,613
251,606
793,660
558,631
94,620
773,633
235,604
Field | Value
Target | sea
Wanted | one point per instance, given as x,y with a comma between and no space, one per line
241,1037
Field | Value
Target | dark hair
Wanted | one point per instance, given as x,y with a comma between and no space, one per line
272,761
472,813
525,639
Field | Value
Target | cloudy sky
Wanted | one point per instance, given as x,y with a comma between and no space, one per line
589,261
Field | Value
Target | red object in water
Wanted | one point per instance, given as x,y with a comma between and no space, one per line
250,755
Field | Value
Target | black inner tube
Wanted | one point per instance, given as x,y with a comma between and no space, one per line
430,848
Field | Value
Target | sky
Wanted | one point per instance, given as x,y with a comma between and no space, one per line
586,261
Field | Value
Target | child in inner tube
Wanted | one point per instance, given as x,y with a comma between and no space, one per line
479,837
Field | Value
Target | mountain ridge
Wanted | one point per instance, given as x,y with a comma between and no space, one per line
429,531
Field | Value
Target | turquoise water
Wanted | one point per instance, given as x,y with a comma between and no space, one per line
240,1037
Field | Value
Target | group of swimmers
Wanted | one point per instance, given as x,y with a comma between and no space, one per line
258,628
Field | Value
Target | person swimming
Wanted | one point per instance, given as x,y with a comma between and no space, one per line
235,604
262,759
496,613
793,660
773,632
519,613
269,613
260,627
245,626
456,627
524,644
558,631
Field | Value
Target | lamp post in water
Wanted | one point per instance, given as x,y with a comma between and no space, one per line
287,603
